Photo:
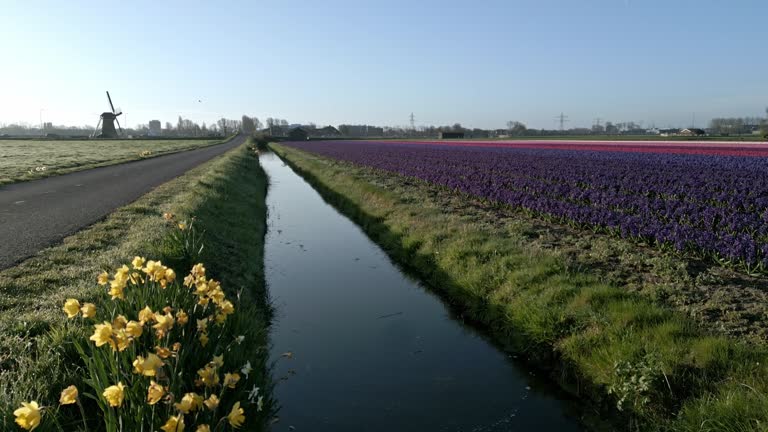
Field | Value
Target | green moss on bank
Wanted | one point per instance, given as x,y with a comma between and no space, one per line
227,197
612,346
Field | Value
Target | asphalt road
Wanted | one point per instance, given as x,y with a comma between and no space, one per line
39,213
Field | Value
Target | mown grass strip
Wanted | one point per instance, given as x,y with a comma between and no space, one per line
617,348
24,160
227,198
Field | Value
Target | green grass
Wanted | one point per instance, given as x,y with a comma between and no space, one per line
610,345
227,197
22,160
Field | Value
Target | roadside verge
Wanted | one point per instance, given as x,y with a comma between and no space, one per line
226,196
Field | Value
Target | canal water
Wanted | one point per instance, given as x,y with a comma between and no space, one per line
359,346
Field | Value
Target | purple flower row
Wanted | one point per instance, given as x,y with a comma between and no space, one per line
713,204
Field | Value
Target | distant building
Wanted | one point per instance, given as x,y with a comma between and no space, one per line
692,132
326,132
669,132
155,128
298,134
477,133
450,135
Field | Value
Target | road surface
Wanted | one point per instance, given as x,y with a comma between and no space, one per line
39,213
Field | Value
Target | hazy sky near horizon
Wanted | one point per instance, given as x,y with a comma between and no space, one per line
479,63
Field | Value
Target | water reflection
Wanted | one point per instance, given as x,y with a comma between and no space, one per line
360,346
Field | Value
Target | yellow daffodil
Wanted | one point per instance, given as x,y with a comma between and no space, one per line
164,323
88,310
220,318
202,325
147,366
212,402
117,289
134,329
146,315
114,394
155,392
203,339
176,347
103,278
162,352
170,275
71,307
218,360
103,334
28,416
150,267
190,402
68,395
174,424
188,281
227,307
119,322
231,379
138,262
121,339
181,317
203,428
168,216
182,226
217,295
208,376
236,417
198,270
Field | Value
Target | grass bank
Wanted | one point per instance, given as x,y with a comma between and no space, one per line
645,365
227,198
22,160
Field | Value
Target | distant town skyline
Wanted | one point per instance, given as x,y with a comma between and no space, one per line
479,64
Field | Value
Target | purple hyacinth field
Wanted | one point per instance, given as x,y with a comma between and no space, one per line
708,204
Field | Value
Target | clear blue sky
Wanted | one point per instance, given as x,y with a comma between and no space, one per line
480,62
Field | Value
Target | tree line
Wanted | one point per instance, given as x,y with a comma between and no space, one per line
737,125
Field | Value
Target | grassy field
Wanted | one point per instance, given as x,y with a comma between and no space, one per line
30,159
606,316
227,198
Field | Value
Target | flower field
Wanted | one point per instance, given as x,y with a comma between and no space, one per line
707,199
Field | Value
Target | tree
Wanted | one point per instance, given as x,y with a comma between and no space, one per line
516,128
610,128
248,125
223,125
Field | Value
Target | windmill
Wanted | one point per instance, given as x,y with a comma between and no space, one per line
107,122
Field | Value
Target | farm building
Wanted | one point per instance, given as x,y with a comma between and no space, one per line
692,132
450,135
298,134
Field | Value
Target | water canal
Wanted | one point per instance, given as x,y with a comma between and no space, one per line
359,346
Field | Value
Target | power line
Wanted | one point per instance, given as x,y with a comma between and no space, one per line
563,119
413,122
